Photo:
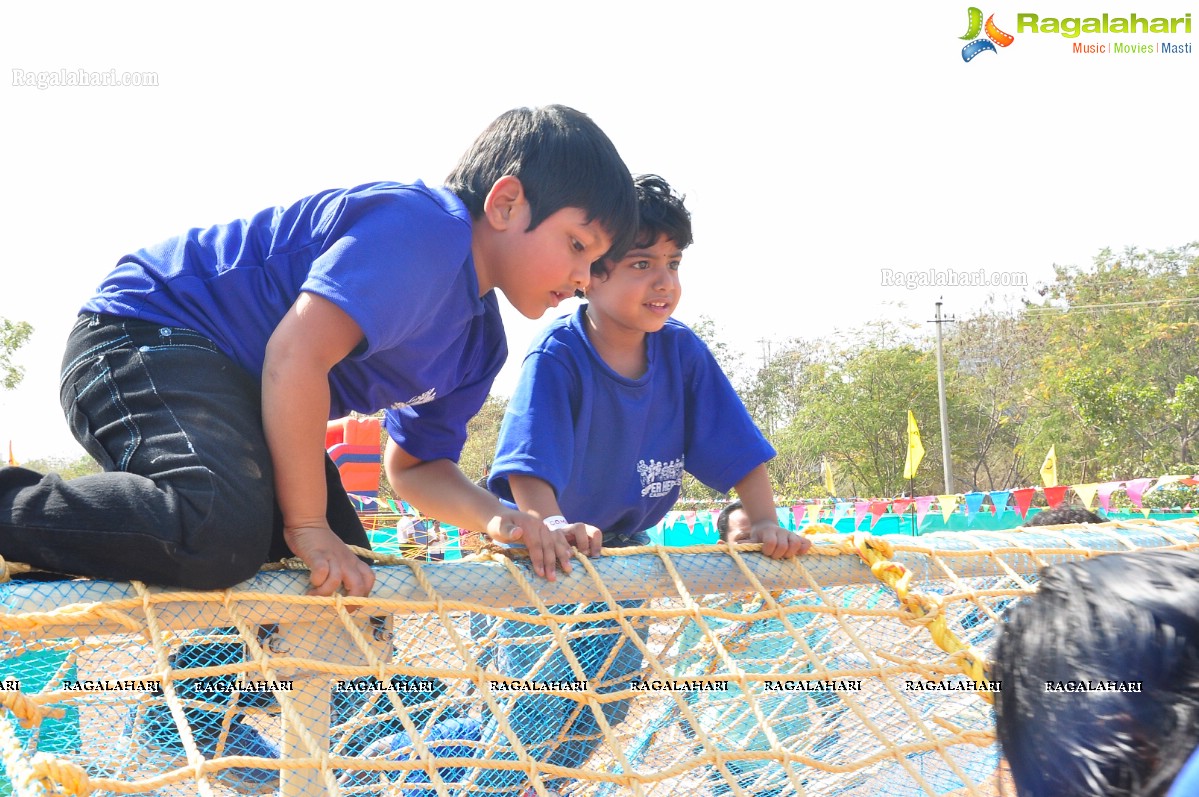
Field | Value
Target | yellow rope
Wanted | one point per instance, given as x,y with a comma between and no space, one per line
143,619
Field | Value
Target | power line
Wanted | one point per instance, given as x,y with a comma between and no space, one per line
1145,303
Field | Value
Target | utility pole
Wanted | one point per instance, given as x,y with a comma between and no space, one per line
948,463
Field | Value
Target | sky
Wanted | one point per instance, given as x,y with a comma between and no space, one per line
828,152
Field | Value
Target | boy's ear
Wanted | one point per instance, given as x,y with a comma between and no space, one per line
504,202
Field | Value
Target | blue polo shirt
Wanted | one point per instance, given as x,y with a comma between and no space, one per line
395,257
614,449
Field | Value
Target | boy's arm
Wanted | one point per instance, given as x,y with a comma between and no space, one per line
537,497
313,336
757,498
439,489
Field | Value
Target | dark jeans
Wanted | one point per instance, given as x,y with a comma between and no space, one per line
187,499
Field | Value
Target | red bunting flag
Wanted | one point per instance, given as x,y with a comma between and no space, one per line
1023,498
1055,495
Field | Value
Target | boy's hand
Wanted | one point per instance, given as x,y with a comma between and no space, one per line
547,549
330,561
777,542
588,539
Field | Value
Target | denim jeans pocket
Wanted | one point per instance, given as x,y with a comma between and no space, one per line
99,417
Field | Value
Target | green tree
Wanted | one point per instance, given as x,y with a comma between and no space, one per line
482,434
13,335
850,403
65,467
1119,371
997,427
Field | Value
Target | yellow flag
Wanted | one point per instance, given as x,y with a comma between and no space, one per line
826,470
915,448
948,503
1049,469
11,459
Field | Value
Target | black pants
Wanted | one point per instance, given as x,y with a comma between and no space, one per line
188,497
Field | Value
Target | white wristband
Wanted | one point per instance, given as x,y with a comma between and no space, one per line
555,522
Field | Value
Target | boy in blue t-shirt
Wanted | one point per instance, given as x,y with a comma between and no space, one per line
621,395
613,401
203,371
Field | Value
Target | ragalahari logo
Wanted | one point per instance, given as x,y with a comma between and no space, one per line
984,44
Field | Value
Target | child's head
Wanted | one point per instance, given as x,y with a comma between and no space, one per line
549,196
562,159
732,524
641,289
1128,620
661,214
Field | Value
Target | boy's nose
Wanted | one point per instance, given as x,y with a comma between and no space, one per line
581,278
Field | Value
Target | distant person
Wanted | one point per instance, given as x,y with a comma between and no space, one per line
733,525
1100,674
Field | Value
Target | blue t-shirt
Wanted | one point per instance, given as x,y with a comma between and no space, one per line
396,258
614,449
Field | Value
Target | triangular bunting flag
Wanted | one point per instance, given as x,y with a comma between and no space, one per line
812,515
900,505
973,502
1136,491
798,511
877,510
1162,481
1105,494
948,503
860,509
689,519
999,499
1055,495
840,510
1023,499
786,519
1086,493
922,505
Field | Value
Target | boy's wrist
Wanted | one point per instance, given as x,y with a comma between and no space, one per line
555,522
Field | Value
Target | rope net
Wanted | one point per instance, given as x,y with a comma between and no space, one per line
859,669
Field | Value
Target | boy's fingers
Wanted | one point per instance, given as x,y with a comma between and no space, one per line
359,580
325,578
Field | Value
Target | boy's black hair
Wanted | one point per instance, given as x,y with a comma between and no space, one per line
1064,514
660,212
722,520
562,159
1123,618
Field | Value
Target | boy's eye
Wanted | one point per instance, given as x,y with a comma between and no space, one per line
577,245
674,265
640,265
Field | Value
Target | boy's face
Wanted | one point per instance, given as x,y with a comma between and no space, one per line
541,267
642,289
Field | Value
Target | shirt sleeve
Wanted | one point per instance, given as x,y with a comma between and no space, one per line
437,429
537,436
389,261
721,442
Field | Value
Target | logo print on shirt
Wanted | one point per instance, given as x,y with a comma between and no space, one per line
423,398
659,478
